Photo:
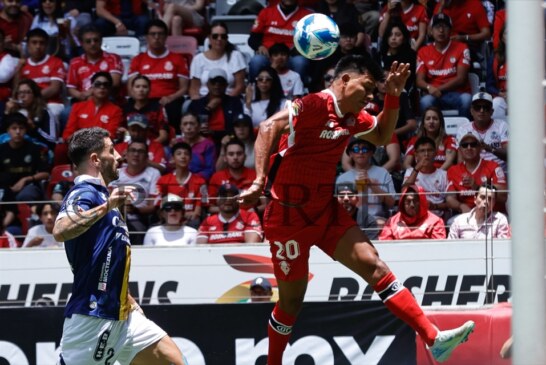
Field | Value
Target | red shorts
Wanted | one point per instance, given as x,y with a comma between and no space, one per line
292,231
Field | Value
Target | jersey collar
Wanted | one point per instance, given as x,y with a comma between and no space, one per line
223,220
163,55
87,178
44,60
338,111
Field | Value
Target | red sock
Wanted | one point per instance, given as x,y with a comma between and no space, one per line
279,330
402,304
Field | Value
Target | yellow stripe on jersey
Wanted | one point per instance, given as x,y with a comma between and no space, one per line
124,307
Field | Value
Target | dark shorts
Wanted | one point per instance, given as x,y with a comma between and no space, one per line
292,232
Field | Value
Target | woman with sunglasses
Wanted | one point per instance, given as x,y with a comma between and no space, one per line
181,14
96,111
265,96
58,26
221,54
172,231
42,124
433,126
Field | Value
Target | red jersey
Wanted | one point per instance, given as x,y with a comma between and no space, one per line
411,17
154,112
156,153
499,72
303,171
81,69
17,28
277,27
43,72
224,177
163,71
498,23
441,67
114,7
191,190
448,144
484,172
467,16
218,230
85,114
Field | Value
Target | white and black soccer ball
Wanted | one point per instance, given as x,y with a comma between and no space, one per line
316,36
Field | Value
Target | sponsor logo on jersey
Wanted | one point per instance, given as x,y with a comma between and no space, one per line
285,267
328,134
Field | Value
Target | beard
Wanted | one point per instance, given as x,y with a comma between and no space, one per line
109,172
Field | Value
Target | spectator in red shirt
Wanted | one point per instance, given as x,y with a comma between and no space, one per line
49,72
117,17
497,77
275,24
236,173
412,14
413,220
442,70
97,111
231,224
183,183
167,71
93,60
467,176
15,23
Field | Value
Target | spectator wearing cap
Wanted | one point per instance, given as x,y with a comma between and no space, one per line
292,85
158,127
470,23
275,24
432,180
230,224
265,96
374,183
482,222
409,12
41,235
493,132
138,126
348,197
465,177
243,130
413,221
203,149
167,71
182,182
348,44
260,290
442,69
235,173
172,231
143,178
221,54
217,107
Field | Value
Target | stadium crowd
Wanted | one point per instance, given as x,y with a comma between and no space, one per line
185,122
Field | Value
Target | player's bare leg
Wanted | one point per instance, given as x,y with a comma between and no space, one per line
291,294
163,352
355,251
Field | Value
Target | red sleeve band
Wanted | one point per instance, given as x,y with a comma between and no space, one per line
391,102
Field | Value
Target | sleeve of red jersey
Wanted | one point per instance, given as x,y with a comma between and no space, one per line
499,178
481,15
116,65
214,185
72,124
72,77
421,57
182,67
204,228
259,23
252,224
134,66
451,178
59,71
450,143
465,59
365,123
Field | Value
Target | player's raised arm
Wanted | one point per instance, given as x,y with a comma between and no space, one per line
269,133
386,120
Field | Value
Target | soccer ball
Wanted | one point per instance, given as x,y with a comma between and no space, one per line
316,36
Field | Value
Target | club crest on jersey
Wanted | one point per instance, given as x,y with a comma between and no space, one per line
103,66
285,267
46,69
168,66
297,107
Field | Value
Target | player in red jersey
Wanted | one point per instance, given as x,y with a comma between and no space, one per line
303,210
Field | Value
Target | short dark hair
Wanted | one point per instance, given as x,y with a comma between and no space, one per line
105,74
40,208
489,186
85,142
424,140
141,77
138,140
234,141
360,64
15,118
181,146
89,28
37,33
156,23
279,48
